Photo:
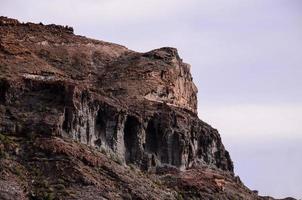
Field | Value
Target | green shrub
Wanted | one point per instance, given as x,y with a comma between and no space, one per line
3,154
61,181
60,187
116,158
49,196
2,137
179,196
42,195
5,139
16,170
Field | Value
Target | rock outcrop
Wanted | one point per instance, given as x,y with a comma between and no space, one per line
140,108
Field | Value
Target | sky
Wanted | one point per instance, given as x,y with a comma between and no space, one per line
246,60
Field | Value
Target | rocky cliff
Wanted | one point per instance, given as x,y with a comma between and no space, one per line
67,103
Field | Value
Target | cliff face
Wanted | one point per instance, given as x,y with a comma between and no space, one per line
139,107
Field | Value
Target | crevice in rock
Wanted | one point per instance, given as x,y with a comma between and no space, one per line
3,90
131,132
175,150
100,128
151,145
190,155
88,133
67,119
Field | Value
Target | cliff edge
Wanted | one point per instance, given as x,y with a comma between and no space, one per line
88,119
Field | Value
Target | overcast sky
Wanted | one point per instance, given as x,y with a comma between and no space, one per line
246,60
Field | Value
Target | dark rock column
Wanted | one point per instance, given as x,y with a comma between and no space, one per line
132,133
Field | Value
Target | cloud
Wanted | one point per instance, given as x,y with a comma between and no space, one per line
255,121
264,141
272,166
93,11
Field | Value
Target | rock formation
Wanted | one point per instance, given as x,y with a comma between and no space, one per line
66,101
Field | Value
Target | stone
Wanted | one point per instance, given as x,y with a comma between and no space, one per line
94,114
140,106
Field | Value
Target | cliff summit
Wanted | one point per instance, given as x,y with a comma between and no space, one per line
88,119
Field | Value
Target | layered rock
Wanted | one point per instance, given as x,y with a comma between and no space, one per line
141,106
80,118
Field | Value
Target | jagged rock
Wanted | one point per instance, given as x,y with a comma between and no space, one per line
8,21
139,108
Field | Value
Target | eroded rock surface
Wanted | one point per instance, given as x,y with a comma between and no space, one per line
57,88
141,106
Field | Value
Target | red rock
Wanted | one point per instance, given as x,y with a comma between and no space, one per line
58,90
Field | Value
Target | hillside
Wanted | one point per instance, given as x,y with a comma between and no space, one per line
88,119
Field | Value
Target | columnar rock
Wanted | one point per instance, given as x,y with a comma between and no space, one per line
140,106
80,118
